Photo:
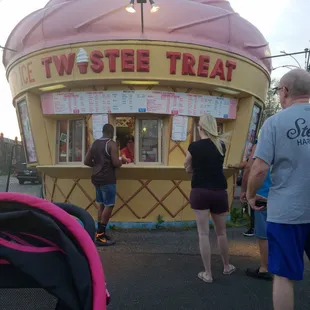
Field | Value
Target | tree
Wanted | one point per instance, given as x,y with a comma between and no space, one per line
272,103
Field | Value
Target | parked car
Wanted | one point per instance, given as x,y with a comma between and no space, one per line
25,174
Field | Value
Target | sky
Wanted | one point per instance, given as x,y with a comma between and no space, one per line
284,23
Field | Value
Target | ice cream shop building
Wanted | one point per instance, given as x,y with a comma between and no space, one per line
75,65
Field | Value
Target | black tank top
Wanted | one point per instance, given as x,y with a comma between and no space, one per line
207,164
103,169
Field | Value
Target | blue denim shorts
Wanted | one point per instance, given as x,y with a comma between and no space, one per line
106,194
260,224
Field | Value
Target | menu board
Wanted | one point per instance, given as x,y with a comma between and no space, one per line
179,128
26,131
98,121
252,133
140,101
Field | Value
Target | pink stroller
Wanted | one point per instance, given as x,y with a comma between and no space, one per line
48,261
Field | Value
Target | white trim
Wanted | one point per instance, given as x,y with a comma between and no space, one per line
83,141
68,135
67,146
196,121
137,138
160,133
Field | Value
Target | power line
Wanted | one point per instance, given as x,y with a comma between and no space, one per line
287,54
6,48
306,51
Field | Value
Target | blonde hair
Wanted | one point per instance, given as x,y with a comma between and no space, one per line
209,125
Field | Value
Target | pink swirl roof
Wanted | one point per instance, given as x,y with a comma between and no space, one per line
210,23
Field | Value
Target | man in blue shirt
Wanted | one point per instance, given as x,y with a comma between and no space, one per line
260,221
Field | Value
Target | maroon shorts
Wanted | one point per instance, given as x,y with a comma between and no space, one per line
214,200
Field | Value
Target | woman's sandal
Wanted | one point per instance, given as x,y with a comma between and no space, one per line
230,271
202,276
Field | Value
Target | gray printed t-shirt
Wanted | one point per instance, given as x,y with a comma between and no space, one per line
284,142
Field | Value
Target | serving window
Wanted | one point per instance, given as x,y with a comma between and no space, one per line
70,141
149,147
220,128
140,139
124,128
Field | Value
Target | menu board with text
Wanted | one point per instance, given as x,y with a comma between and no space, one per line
140,101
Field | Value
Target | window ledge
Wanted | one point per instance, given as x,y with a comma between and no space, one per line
126,172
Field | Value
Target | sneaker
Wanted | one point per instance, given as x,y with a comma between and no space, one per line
249,233
255,273
103,240
107,237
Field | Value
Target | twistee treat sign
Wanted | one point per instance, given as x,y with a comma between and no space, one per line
98,61
158,102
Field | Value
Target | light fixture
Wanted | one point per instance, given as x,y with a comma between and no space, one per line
227,91
140,82
52,87
154,7
131,7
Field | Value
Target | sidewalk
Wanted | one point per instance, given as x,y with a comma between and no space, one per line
158,270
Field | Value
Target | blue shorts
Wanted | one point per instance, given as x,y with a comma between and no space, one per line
287,244
260,224
106,194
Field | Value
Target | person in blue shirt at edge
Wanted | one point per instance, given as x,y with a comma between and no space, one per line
260,220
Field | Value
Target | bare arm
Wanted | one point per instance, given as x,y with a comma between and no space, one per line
114,154
247,170
88,161
241,165
245,177
124,158
188,163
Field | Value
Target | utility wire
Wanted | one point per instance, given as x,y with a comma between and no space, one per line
6,48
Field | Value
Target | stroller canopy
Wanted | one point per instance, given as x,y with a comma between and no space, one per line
47,259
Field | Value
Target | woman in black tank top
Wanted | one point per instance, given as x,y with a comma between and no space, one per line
205,160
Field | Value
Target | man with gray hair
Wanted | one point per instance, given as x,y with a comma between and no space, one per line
284,144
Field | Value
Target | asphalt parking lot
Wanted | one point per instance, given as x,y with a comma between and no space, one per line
158,270
14,186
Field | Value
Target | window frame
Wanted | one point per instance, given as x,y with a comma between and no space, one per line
160,140
68,134
18,103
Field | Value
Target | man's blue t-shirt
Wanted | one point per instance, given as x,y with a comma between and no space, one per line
264,190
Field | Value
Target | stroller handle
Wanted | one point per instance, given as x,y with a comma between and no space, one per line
82,215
